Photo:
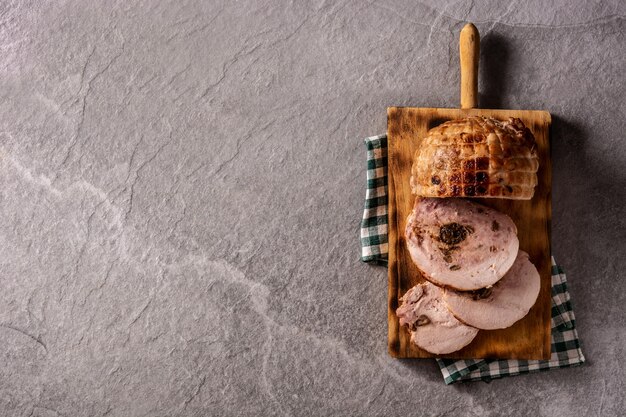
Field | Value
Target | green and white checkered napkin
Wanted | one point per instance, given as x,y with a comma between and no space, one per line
374,248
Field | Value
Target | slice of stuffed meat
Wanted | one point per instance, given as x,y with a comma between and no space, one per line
501,305
432,326
460,244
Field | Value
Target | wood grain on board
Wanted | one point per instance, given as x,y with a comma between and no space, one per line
529,338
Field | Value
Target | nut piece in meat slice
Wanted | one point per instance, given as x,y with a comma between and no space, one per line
460,244
500,306
432,326
476,157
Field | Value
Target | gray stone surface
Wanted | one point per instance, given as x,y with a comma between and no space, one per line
182,182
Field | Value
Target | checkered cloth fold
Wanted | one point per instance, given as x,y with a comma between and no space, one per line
375,248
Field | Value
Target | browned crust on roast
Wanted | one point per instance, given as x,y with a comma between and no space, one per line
476,157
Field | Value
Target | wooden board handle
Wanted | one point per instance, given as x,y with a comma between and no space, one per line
469,48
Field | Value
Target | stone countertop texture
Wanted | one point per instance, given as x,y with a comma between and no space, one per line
181,184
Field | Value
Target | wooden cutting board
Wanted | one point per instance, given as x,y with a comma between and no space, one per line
529,338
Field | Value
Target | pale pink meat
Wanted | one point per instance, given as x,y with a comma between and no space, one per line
500,306
432,326
460,244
